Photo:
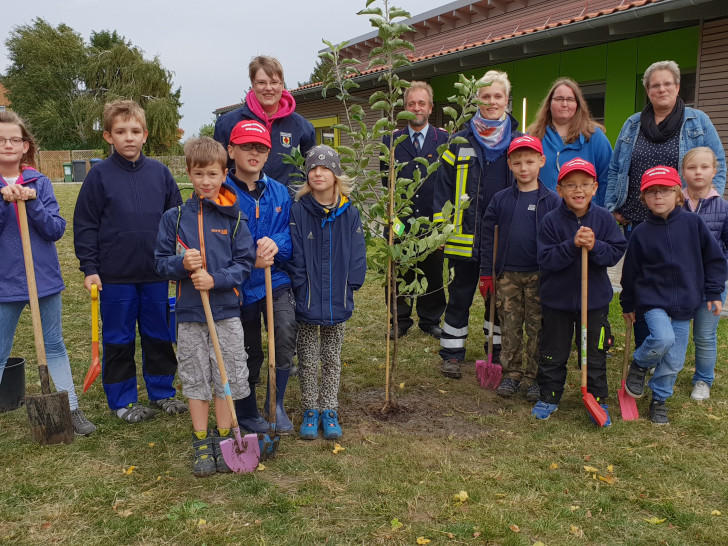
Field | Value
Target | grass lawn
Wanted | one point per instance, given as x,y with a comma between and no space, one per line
558,482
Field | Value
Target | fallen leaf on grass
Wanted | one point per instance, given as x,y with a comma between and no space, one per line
258,521
654,520
125,513
538,543
260,467
576,531
591,469
462,496
476,534
573,508
396,524
201,522
129,470
610,468
151,444
608,479
713,417
46,525
515,528
401,385
441,391
716,513
423,540
553,466
159,478
587,458
337,449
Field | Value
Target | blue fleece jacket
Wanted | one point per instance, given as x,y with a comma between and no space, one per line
268,216
117,215
329,260
219,230
46,226
288,132
560,259
672,264
500,212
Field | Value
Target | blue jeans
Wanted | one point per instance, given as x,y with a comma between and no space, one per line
664,348
705,327
59,367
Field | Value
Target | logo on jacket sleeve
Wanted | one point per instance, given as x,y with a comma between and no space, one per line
278,209
310,234
286,140
220,231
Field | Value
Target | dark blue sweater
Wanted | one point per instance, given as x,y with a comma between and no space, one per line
672,264
117,216
560,259
714,211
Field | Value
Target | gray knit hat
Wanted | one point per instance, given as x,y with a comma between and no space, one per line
324,156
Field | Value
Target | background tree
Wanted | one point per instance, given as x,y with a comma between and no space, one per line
207,130
321,72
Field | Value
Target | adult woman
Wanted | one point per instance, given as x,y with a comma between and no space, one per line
473,170
661,134
272,105
567,130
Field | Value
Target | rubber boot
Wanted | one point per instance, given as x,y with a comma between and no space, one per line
247,413
283,423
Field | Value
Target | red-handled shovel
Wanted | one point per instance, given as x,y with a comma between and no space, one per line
592,406
627,404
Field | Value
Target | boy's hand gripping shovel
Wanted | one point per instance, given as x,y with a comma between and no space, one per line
95,369
241,454
269,442
592,406
627,404
489,373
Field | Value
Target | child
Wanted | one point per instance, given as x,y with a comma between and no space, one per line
576,223
19,181
328,264
206,245
699,167
672,267
517,211
114,229
267,204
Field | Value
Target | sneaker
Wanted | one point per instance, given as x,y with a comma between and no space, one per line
451,368
508,387
635,384
171,406
220,464
658,412
330,425
310,426
204,463
701,391
533,392
81,425
608,422
543,410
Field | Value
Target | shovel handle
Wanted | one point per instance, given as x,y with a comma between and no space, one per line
584,310
33,298
272,397
94,313
491,314
627,341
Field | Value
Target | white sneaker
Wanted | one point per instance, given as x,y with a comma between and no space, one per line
701,391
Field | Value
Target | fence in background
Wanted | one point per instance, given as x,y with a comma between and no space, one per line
50,162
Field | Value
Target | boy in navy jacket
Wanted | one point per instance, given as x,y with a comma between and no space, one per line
517,211
114,230
673,266
267,204
576,223
205,245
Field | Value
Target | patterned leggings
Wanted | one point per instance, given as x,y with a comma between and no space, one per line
313,349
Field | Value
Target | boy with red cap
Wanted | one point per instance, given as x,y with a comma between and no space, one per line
517,211
267,204
672,265
576,223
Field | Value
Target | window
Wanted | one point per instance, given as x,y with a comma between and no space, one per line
325,132
595,94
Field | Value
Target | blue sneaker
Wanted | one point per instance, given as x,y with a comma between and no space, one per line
543,410
330,425
608,422
310,426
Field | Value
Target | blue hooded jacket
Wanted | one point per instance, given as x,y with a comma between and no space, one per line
46,226
329,260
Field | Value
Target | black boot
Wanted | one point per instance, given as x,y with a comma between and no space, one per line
283,423
247,412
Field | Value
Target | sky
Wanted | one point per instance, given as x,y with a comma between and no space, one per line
208,45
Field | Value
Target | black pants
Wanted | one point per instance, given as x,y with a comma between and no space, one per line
431,305
557,333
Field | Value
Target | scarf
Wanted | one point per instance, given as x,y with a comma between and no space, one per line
492,134
286,107
667,128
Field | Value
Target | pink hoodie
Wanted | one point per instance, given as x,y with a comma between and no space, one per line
286,107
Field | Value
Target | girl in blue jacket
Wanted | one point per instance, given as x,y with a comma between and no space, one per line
673,266
699,168
328,264
19,181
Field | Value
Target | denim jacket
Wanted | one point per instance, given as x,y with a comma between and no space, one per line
697,130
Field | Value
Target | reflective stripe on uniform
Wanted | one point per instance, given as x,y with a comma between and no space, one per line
465,252
457,343
452,331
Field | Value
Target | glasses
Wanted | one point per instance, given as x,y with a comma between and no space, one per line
262,84
248,146
15,141
566,100
667,85
571,188
664,192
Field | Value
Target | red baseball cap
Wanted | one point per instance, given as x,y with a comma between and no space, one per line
525,141
660,176
577,164
250,131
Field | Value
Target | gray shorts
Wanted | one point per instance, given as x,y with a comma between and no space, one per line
197,363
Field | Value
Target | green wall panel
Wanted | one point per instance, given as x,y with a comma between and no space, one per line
679,45
531,78
619,102
588,64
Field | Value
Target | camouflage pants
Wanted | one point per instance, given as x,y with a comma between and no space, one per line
519,308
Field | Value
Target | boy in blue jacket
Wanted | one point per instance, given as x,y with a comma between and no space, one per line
576,223
517,211
114,230
205,245
673,266
268,205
